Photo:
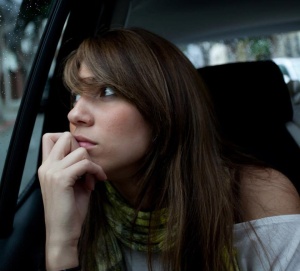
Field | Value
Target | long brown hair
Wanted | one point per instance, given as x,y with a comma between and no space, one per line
183,171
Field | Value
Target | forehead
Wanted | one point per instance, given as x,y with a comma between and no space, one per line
84,71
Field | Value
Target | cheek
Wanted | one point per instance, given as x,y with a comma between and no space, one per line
130,127
133,122
71,127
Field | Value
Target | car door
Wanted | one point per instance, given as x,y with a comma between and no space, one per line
36,37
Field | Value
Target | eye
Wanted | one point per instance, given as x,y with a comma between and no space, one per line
75,98
107,91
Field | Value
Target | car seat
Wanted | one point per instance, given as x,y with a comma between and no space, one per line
253,110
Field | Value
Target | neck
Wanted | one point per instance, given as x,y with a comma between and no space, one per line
129,190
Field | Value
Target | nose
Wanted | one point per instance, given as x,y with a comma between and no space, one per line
81,114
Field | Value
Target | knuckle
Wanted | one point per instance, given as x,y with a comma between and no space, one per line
54,176
45,175
51,176
40,173
86,162
83,153
42,170
46,136
67,135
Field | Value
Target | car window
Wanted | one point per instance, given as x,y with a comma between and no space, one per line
21,28
284,71
282,48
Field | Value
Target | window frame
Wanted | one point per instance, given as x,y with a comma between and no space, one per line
96,17
29,107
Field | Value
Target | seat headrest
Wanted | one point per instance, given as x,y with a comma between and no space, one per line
250,94
253,105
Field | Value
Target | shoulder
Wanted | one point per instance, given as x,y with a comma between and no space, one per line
266,192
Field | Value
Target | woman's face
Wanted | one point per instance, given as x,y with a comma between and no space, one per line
112,130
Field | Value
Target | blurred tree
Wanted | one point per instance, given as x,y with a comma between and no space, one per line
259,48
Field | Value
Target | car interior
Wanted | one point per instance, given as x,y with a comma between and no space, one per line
254,111
251,98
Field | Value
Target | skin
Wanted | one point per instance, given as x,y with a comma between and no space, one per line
118,131
107,140
267,192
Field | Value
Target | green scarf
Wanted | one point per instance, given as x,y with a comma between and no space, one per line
139,231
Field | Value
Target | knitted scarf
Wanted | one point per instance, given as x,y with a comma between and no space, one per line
139,231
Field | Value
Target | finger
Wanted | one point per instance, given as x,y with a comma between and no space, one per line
84,167
72,158
49,139
65,144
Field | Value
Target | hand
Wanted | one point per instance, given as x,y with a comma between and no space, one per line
65,194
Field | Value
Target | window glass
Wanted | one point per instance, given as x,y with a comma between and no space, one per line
21,28
284,46
32,155
283,49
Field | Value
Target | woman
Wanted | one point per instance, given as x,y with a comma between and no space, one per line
139,181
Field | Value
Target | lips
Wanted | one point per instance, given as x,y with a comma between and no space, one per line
85,142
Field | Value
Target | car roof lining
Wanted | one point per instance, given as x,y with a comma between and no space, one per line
186,21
